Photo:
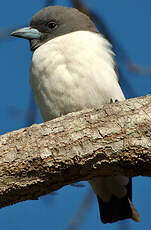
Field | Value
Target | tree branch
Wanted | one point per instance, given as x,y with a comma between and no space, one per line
112,140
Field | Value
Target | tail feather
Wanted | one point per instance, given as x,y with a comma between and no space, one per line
117,209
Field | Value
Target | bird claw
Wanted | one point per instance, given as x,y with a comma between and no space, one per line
111,100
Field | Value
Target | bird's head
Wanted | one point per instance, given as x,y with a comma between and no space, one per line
54,21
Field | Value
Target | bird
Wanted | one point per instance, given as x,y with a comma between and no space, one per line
73,68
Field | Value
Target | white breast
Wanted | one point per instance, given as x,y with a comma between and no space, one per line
72,72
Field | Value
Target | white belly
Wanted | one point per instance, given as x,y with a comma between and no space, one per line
73,72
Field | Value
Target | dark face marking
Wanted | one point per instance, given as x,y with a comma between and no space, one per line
55,21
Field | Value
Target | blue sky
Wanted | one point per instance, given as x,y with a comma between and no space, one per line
129,23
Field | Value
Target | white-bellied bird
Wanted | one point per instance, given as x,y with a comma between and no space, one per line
73,68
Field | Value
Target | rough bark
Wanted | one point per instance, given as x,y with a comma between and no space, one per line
112,140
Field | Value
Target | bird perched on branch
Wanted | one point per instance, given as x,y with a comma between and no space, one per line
73,68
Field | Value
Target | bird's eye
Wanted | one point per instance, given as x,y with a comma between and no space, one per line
52,25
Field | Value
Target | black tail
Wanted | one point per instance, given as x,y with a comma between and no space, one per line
118,209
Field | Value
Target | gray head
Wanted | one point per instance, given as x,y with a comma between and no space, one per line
52,22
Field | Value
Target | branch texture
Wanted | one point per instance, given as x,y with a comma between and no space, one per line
112,140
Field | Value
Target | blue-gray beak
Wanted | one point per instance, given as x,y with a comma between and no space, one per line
27,33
